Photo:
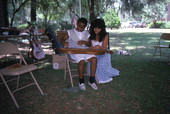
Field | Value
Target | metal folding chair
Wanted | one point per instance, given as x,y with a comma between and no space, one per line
163,46
10,51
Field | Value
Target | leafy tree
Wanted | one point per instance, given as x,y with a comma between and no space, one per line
156,11
111,19
51,11
16,5
142,9
131,9
57,12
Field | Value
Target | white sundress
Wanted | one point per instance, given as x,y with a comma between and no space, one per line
104,72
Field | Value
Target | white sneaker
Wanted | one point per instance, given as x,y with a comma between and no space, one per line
93,86
82,86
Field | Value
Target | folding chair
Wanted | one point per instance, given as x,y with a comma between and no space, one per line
71,71
163,46
8,49
56,44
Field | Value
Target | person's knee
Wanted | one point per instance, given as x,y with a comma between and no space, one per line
93,60
82,62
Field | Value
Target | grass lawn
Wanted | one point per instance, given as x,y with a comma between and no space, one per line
142,86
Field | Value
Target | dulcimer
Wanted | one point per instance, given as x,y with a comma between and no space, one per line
59,47
84,51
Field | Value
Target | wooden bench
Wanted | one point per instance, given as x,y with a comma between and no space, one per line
60,35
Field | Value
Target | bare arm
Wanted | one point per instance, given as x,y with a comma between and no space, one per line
104,44
87,43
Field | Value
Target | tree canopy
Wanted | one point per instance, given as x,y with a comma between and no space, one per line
61,13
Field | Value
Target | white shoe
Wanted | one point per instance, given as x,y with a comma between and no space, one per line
82,86
93,86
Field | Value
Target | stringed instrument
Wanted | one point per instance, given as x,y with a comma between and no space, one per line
59,48
84,51
37,51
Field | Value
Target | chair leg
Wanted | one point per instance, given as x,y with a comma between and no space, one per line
36,83
70,74
13,98
154,52
18,81
160,52
65,68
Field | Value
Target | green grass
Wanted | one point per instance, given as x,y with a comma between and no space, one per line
142,86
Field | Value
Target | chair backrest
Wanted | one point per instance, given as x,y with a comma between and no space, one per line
165,36
9,48
61,35
108,40
41,30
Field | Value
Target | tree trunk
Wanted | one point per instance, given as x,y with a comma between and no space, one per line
4,13
33,10
91,7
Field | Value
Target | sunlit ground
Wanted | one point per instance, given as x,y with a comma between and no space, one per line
139,30
132,30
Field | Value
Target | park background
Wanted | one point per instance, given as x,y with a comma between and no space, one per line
143,84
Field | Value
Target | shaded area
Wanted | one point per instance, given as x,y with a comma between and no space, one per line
142,87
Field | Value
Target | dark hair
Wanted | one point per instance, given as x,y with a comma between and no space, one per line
98,23
82,20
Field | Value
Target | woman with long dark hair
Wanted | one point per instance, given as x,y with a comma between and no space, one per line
99,40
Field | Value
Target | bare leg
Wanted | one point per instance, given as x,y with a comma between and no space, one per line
93,66
81,77
93,62
81,68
